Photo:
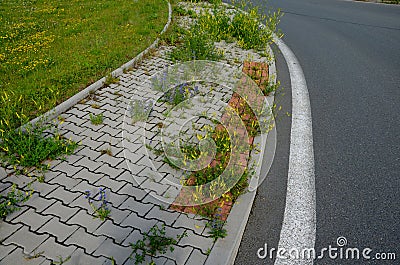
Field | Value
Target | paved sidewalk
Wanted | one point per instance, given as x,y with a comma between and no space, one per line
58,221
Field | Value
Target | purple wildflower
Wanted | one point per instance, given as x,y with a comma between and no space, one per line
87,194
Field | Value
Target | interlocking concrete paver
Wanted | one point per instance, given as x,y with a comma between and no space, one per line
79,257
166,216
58,229
185,222
70,170
131,190
87,241
7,229
117,200
180,254
53,250
111,160
119,215
196,241
170,262
32,219
63,180
134,236
61,211
150,184
85,151
64,195
113,231
110,184
88,163
90,177
40,203
196,257
78,110
109,249
92,144
127,176
83,186
133,220
5,250
25,239
92,132
44,188
109,171
140,208
83,219
18,257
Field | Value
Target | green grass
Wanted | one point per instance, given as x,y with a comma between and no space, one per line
50,50
30,148
96,119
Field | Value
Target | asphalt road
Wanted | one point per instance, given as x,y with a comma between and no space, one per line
350,55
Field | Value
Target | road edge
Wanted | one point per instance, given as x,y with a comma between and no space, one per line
299,222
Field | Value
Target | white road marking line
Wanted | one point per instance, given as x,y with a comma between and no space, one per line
299,223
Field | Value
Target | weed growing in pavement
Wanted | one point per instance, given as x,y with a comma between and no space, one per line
180,93
110,79
60,261
154,242
100,211
196,46
139,109
96,119
95,106
217,229
106,151
218,24
173,35
9,202
30,147
208,252
181,11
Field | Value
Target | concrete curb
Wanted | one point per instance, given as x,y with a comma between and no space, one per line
64,106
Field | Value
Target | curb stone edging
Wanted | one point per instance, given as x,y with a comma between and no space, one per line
64,106
225,249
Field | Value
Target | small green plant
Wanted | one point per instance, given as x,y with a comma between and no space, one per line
208,252
61,260
217,229
110,79
40,179
9,202
112,261
117,94
181,11
96,119
180,93
139,109
30,147
153,242
243,26
100,211
106,151
34,256
196,46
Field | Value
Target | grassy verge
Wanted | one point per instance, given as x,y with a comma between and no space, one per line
51,50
